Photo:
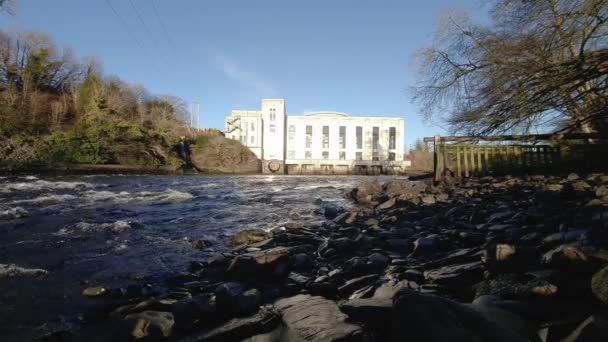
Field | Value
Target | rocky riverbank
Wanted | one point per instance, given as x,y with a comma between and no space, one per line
491,259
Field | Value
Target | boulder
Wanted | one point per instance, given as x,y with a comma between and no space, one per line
261,264
153,325
310,318
422,317
365,192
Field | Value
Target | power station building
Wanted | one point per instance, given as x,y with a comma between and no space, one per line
319,142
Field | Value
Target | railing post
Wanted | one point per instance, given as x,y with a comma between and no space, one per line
437,158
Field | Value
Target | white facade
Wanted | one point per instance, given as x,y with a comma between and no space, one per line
320,142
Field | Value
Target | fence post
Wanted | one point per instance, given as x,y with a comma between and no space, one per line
437,158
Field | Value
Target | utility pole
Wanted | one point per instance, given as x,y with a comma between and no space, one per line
192,116
198,119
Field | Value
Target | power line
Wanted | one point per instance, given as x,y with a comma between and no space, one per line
125,25
148,31
166,32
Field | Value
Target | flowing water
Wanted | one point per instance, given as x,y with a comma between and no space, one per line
109,230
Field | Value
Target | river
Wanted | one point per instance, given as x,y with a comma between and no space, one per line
111,230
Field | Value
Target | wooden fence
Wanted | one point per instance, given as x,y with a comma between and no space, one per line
541,153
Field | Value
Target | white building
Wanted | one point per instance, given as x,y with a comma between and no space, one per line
320,142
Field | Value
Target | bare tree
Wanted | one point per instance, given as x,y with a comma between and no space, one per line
539,63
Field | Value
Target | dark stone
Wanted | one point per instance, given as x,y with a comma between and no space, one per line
422,317
249,301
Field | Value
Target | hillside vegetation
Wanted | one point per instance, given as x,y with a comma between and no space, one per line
55,109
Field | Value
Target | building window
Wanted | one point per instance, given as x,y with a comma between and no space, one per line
252,139
392,136
308,136
243,139
359,156
273,129
375,156
325,155
376,138
391,156
325,136
342,137
308,155
291,154
291,135
359,137
252,127
342,155
273,114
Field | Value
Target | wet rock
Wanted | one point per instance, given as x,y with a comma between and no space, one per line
238,329
601,191
422,317
227,295
330,211
151,324
377,261
426,244
13,271
302,261
599,285
200,308
13,213
315,318
565,237
262,264
247,236
96,291
249,301
200,244
554,187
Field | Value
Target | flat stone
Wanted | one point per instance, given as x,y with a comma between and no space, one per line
310,318
237,329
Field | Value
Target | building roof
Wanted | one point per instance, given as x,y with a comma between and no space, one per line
326,114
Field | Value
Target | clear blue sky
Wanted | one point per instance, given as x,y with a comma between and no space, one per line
351,56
